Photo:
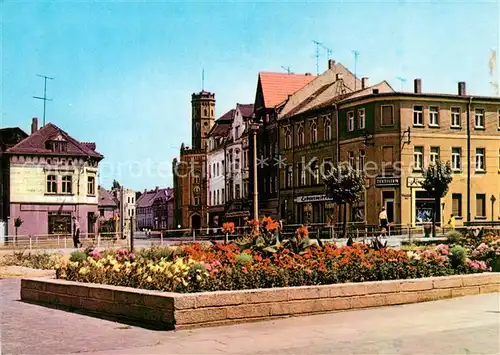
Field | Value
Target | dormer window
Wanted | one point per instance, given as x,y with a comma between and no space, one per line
57,145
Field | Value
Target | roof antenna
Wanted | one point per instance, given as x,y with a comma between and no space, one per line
287,69
203,80
402,80
356,55
44,98
317,55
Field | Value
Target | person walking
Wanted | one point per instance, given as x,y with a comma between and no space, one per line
384,223
451,222
76,233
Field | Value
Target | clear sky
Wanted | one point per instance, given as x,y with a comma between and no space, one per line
125,70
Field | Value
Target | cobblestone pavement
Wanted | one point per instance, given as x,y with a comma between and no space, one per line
468,325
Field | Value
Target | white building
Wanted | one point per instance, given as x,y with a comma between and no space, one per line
237,167
217,169
126,202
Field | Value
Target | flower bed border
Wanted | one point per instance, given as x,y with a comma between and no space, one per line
168,310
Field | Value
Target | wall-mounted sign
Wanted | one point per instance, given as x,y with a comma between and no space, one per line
329,205
312,198
413,181
387,181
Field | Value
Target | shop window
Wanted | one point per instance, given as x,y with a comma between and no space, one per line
456,205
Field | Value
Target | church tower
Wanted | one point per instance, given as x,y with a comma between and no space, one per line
203,113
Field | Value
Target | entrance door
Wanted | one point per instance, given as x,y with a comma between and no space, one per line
388,201
195,221
90,224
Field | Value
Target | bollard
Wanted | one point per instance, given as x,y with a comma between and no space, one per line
98,240
161,238
357,233
58,240
65,245
194,235
30,243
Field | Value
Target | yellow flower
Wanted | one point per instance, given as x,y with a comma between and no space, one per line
83,271
149,279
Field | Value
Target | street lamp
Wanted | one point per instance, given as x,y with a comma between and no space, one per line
254,127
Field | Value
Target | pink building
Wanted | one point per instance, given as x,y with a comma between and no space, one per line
155,209
52,177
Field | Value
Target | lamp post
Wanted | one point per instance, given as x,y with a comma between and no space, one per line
254,127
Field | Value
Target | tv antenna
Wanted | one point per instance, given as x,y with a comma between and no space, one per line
44,98
402,80
202,79
356,55
287,69
327,50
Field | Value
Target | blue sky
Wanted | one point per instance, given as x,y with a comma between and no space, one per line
125,71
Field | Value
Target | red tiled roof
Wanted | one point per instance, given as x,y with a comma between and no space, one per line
105,198
277,86
147,198
35,144
222,125
245,109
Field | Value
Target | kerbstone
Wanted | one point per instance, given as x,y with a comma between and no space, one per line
489,288
464,291
249,311
402,297
436,294
447,282
100,293
341,290
383,287
368,301
308,292
479,280
416,285
200,315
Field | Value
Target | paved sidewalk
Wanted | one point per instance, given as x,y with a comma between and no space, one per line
468,325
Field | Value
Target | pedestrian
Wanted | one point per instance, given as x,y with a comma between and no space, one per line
451,222
76,233
384,223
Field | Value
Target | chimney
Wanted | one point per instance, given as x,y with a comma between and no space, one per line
331,63
156,189
34,125
461,89
338,76
364,82
417,86
308,74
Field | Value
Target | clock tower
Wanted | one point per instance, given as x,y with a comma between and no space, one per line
203,113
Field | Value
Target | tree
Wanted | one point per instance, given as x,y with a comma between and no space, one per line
437,178
345,186
116,184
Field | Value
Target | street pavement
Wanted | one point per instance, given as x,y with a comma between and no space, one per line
467,325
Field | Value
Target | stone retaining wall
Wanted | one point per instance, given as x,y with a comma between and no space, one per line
174,310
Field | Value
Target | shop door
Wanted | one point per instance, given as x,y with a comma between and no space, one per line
388,200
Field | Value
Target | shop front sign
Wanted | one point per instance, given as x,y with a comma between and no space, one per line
312,198
387,181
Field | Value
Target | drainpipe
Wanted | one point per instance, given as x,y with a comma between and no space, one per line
337,143
468,158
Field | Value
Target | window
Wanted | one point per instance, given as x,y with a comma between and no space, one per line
387,156
315,178
288,138
91,185
66,184
213,166
480,205
361,118
498,118
289,176
456,205
418,154
214,201
434,155
237,164
51,184
246,159
197,200
456,159
350,121
387,115
222,196
218,197
434,116
480,159
237,191
210,199
314,132
302,175
479,121
361,161
327,166
328,129
418,118
265,184
300,135
499,160
455,117
351,159
236,132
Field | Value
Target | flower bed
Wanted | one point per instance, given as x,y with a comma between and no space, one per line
260,260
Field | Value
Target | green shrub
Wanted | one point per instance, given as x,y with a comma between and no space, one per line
458,256
156,253
454,237
243,259
44,260
78,255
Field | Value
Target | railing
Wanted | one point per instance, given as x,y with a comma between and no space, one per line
62,241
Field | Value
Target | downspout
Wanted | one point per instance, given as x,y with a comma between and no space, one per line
337,143
468,158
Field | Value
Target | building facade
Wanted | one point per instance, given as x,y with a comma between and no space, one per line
52,178
392,137
190,170
154,209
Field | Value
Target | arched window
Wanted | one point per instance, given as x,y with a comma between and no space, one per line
288,138
205,112
314,132
217,169
328,130
300,135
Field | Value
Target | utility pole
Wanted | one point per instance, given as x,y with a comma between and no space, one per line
44,98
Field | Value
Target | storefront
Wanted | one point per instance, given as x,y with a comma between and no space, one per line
311,209
388,186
